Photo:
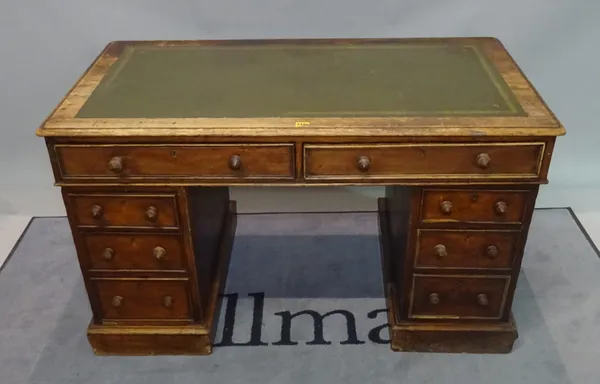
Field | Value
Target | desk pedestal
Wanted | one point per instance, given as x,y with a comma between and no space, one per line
156,279
450,278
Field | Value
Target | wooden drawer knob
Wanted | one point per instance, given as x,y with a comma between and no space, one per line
483,300
168,301
116,164
492,251
501,207
160,253
440,250
97,211
364,163
434,298
151,213
235,163
117,301
483,160
446,207
108,254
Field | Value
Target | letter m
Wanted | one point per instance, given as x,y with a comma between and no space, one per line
286,327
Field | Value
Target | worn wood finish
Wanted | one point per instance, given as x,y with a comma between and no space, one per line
454,338
125,210
479,206
148,197
458,296
191,339
448,336
440,308
138,251
134,340
143,300
127,162
296,173
423,161
539,120
465,249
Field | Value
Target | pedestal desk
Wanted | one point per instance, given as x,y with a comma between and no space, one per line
149,139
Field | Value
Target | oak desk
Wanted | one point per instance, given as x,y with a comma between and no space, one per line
147,142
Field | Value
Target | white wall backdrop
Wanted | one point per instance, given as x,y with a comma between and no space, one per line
46,45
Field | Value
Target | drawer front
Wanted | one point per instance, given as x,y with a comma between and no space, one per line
153,252
451,249
475,206
248,161
140,299
458,297
114,210
424,161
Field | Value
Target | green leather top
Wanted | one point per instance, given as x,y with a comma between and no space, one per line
401,79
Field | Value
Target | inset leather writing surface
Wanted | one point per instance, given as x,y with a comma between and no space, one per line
302,80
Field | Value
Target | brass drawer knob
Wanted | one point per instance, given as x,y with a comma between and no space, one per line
364,163
159,253
501,207
440,250
483,160
97,211
151,213
168,301
446,207
483,300
116,164
117,301
235,163
434,298
492,251
108,254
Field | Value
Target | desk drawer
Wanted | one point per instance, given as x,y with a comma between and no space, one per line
124,210
143,299
458,296
247,161
423,161
451,249
153,252
474,206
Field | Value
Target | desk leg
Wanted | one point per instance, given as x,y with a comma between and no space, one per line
396,213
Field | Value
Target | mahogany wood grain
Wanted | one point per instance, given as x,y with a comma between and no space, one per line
464,248
137,251
456,185
131,340
125,210
520,252
473,206
453,337
458,296
254,161
164,339
449,336
181,179
143,300
425,161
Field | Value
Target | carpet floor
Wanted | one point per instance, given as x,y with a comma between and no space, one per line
288,271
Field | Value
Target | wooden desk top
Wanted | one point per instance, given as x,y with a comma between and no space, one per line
362,87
